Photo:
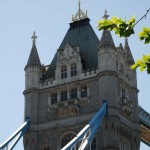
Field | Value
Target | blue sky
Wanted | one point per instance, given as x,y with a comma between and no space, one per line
50,19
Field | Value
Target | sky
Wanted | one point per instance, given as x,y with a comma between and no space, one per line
50,19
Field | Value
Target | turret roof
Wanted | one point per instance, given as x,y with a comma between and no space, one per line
106,39
80,34
33,57
128,51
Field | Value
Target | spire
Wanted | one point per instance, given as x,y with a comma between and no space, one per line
106,39
33,57
80,14
121,46
126,46
128,52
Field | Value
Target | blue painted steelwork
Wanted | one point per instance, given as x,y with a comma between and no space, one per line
85,136
14,138
144,117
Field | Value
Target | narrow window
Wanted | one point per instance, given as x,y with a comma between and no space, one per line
63,95
93,144
66,139
123,93
54,98
83,91
74,93
63,72
73,69
46,148
122,70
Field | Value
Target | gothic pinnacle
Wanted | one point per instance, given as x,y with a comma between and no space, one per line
80,13
105,15
34,37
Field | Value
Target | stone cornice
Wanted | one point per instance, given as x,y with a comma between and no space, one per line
25,92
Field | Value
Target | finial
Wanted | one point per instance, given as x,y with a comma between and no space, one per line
126,39
79,10
105,15
34,37
80,14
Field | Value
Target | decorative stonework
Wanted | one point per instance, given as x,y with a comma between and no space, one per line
67,108
68,55
126,107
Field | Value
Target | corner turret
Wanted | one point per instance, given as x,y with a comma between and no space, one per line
106,51
129,63
33,67
129,56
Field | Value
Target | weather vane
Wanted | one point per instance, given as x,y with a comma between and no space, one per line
34,37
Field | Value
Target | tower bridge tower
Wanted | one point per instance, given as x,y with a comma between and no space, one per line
61,99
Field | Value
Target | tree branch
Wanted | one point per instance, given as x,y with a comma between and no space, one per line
142,17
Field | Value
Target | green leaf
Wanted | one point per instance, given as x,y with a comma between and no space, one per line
119,26
143,64
145,35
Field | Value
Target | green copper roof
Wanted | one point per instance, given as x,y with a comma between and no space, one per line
80,34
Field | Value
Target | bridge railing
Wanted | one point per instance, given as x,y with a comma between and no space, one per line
85,136
144,117
10,143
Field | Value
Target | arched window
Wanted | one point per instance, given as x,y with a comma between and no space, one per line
46,148
83,91
73,69
63,95
66,139
63,72
53,98
93,144
74,93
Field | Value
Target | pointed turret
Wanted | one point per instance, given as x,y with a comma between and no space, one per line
107,51
121,46
33,67
127,50
126,46
33,57
106,39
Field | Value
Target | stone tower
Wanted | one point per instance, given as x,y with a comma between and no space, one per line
62,97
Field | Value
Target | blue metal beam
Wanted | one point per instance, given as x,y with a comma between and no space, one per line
144,117
86,135
15,137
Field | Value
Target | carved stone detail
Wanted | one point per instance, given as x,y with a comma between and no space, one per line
126,107
67,108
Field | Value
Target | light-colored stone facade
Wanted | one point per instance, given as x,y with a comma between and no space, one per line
56,115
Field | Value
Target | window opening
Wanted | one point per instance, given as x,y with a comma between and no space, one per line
93,144
54,98
66,139
73,69
63,95
63,72
84,91
74,93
